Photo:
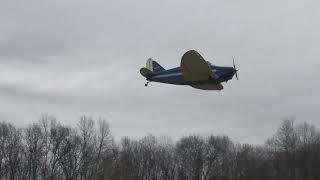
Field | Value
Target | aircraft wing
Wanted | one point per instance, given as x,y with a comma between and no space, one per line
194,68
208,86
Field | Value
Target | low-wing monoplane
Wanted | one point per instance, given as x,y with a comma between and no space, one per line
193,71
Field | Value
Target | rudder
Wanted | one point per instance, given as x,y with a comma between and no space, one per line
154,66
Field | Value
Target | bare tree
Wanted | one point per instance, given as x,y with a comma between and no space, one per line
33,149
58,134
286,142
70,155
216,148
11,151
308,151
44,124
129,160
50,150
103,147
3,140
189,154
164,159
87,134
147,152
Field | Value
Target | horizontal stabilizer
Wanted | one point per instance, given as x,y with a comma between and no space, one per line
145,72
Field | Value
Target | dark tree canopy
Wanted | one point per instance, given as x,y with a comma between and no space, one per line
48,149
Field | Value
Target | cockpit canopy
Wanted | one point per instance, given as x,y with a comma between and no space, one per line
210,64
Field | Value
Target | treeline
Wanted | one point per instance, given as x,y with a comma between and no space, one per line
49,150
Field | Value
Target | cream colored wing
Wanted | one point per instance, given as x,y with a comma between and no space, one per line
194,68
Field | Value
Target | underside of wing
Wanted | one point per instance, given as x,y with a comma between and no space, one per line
208,86
194,68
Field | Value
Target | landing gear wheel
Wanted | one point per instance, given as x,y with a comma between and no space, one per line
146,84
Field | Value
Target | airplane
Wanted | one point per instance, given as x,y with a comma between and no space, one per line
193,71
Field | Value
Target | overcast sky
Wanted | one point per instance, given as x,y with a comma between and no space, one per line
74,57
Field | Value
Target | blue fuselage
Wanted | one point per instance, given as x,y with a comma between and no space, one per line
174,76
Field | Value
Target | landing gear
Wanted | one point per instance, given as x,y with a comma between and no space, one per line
146,84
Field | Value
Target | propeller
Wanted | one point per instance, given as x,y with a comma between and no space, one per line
234,68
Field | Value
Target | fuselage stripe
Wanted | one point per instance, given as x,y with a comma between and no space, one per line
167,75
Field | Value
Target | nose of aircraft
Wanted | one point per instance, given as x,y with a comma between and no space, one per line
231,73
226,73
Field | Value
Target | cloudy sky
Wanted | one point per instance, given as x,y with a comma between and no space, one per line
74,57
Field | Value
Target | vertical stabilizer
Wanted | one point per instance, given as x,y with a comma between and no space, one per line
154,66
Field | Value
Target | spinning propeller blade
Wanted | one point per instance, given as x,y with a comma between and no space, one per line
234,68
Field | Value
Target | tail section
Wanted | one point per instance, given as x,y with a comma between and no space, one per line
157,67
154,66
151,67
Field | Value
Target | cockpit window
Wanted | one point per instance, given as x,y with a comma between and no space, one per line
210,64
